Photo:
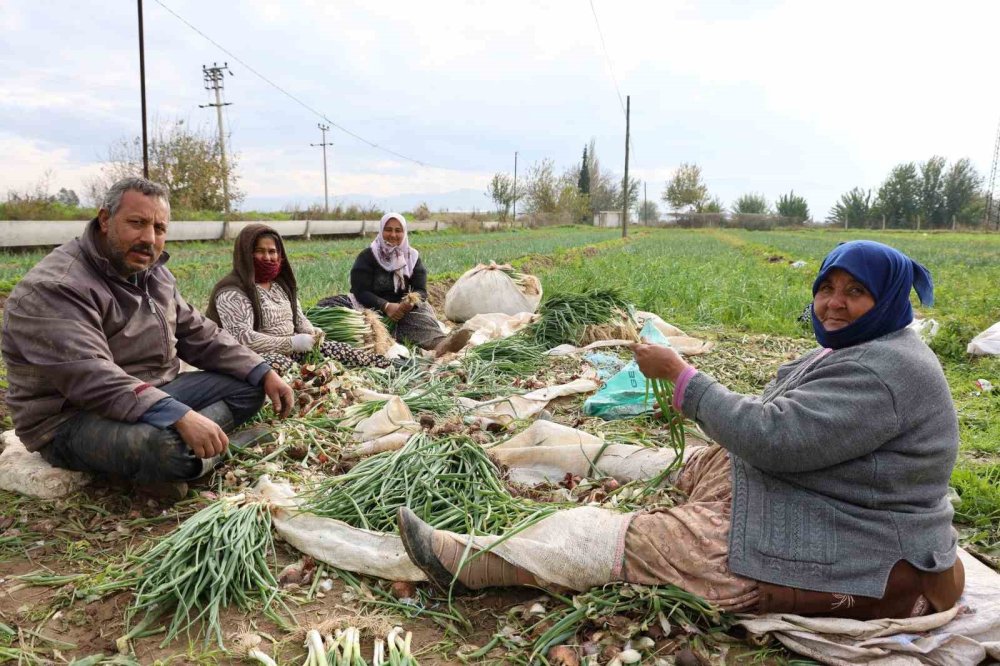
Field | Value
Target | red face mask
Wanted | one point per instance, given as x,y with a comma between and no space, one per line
265,271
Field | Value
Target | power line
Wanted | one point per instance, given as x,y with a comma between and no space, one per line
290,95
606,56
611,69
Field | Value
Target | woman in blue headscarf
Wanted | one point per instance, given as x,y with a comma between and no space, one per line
826,495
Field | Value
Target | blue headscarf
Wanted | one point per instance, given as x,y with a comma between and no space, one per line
889,275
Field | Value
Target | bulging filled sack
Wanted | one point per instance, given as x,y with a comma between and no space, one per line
492,288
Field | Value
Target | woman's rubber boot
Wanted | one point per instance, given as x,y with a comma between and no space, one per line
439,555
453,342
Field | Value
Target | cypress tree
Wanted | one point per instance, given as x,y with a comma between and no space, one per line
583,184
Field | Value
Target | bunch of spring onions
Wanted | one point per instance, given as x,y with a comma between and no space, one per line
514,355
216,558
528,284
565,317
344,649
435,396
663,393
645,607
340,324
449,482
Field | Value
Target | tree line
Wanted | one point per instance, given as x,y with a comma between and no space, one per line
570,197
928,195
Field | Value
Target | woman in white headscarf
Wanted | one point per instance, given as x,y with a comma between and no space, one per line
388,270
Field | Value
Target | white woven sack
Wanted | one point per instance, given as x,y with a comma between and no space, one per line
26,472
576,548
486,289
388,429
335,542
547,451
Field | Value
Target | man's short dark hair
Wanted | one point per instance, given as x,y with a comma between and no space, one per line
113,199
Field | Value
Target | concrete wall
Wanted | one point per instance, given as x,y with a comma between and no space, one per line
38,233
608,218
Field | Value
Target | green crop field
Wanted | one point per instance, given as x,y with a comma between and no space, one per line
734,287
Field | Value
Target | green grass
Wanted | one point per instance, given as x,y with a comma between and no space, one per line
323,267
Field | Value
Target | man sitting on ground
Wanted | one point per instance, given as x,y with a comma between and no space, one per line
93,337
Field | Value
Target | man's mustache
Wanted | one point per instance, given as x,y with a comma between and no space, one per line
143,248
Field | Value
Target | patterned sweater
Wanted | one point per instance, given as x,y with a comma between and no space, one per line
276,330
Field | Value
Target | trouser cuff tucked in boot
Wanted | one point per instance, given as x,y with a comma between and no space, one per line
486,570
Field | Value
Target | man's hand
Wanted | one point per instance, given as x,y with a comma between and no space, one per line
658,362
280,393
396,311
202,435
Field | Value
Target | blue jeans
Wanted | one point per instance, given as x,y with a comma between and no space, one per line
144,453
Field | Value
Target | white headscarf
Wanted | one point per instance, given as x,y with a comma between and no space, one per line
397,259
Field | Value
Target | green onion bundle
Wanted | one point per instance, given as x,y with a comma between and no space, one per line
449,482
344,649
644,606
514,355
216,558
435,397
663,392
528,284
566,317
340,324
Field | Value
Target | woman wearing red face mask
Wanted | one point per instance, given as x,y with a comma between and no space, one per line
258,303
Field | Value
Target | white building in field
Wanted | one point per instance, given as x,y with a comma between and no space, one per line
608,218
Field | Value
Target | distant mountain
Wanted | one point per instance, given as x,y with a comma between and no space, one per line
465,200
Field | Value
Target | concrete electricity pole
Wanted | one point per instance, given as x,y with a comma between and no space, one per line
513,220
326,192
628,113
213,81
142,94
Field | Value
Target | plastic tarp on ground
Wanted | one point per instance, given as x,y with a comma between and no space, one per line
547,451
986,343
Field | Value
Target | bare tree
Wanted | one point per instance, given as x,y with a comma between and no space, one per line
186,160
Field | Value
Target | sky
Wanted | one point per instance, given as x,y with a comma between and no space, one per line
766,96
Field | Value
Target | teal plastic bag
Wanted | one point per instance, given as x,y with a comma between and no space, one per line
624,395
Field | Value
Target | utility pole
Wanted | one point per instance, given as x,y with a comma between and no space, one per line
326,193
644,211
513,220
628,113
213,81
142,95
991,185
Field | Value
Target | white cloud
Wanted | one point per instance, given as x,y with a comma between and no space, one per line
29,164
766,95
273,174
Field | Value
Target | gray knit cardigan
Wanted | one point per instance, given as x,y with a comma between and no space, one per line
841,468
